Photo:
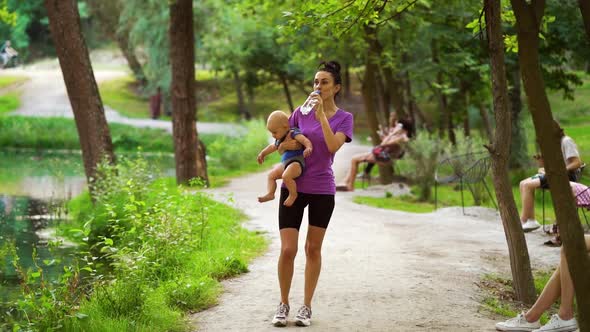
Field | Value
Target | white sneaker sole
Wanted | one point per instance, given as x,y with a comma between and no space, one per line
516,329
301,322
530,229
279,323
561,329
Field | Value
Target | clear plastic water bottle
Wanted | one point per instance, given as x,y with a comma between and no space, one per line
309,104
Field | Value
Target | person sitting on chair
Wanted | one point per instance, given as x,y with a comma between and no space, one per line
7,53
571,156
391,148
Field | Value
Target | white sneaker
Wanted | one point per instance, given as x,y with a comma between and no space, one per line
280,318
530,225
518,323
557,324
303,317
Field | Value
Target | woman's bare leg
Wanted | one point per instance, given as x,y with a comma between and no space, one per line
354,163
289,237
313,263
289,175
548,296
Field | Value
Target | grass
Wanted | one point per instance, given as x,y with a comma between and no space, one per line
6,81
216,98
9,102
499,296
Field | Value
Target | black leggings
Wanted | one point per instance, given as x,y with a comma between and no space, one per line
320,210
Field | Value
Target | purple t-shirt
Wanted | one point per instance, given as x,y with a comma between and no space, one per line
318,177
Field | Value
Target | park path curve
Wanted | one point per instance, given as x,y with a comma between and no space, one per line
44,95
382,270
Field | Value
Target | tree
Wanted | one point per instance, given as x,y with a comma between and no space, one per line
500,151
108,13
189,155
528,19
89,115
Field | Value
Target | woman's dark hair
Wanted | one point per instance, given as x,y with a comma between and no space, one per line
408,126
333,68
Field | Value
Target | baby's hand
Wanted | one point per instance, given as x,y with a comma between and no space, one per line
307,152
260,158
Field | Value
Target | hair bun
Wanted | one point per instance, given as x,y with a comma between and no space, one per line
330,66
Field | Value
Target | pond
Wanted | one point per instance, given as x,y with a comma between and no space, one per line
34,187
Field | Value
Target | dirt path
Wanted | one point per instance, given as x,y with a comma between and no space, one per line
44,95
382,270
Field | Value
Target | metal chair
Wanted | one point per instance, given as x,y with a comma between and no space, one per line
469,169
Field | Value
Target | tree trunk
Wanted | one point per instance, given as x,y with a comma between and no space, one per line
528,18
190,160
107,12
347,82
483,112
89,115
519,157
125,46
368,86
283,78
384,99
517,247
242,109
585,10
445,120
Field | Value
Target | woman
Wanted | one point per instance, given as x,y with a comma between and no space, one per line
391,148
328,128
559,286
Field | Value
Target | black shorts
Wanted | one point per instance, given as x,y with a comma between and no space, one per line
320,210
572,176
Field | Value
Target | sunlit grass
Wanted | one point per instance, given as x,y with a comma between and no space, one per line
9,102
8,80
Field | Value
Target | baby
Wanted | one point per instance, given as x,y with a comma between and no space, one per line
292,161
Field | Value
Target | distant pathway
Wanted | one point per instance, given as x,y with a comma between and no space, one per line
44,95
382,270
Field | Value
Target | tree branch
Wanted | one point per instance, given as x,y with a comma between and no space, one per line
350,3
356,19
398,13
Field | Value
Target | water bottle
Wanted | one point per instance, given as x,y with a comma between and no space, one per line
309,104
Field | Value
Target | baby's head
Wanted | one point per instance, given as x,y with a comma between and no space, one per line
278,124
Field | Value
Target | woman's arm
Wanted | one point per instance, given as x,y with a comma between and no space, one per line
573,163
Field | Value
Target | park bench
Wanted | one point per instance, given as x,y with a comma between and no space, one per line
465,169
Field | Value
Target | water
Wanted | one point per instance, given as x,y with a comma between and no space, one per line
33,190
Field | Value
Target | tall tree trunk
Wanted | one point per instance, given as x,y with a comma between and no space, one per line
519,157
384,98
129,54
93,130
483,112
369,90
347,82
107,12
190,159
283,78
445,120
585,10
528,18
396,92
242,109
500,150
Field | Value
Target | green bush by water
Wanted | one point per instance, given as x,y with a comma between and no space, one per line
153,252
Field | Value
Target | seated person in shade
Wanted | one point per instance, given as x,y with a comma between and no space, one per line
391,148
571,156
560,286
292,161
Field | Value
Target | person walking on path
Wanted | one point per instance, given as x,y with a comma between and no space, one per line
328,128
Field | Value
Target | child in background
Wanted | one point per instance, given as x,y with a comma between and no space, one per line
292,161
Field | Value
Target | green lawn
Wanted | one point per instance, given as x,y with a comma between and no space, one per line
6,81
9,102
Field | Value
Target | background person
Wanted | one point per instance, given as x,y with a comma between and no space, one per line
571,156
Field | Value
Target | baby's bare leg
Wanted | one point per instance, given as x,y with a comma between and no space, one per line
289,176
272,178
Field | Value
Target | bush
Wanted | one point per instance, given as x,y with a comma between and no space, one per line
424,152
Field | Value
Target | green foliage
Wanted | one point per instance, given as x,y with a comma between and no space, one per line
6,81
423,154
151,251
